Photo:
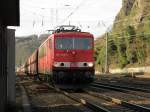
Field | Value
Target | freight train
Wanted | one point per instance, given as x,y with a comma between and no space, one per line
65,59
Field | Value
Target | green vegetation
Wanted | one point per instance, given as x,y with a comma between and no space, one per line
25,46
129,40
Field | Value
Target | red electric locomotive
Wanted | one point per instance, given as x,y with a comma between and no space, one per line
65,58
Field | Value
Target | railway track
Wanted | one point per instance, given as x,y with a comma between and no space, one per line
124,101
121,105
85,102
125,81
58,108
145,93
53,107
62,108
117,87
137,108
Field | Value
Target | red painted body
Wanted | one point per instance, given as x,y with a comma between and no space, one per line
74,55
43,60
31,64
45,57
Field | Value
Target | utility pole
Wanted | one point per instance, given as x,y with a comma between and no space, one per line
106,55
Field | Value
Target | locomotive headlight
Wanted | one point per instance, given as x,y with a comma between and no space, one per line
90,64
59,64
56,64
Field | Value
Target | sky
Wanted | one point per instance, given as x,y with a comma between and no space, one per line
94,16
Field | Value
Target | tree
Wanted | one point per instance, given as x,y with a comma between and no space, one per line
100,59
129,36
121,48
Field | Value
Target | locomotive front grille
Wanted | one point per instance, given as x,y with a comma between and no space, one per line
73,76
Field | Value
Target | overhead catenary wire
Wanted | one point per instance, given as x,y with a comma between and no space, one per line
81,3
147,21
110,40
31,3
97,23
139,34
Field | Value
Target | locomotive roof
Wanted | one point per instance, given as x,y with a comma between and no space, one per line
82,34
69,30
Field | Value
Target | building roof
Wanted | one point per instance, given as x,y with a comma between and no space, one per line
9,12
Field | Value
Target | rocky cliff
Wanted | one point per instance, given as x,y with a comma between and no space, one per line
135,13
129,39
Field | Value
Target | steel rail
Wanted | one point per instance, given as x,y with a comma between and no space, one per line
124,87
108,87
38,108
87,103
136,107
123,90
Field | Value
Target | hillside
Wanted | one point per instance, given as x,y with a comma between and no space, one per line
129,39
26,45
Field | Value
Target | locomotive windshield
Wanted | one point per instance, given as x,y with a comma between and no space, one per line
74,43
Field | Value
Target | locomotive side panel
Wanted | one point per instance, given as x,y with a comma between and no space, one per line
42,61
49,56
33,63
45,59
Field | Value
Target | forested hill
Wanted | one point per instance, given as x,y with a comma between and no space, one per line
26,45
129,39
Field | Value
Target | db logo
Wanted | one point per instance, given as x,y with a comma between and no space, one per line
73,65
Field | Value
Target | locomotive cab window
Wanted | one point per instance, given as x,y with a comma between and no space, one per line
73,43
64,43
